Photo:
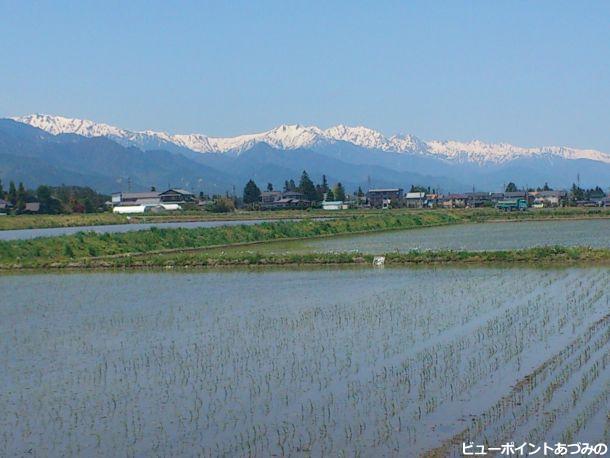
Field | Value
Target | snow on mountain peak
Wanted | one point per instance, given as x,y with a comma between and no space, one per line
481,152
293,136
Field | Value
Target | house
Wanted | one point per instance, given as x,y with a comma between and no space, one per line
287,199
334,205
454,201
383,198
496,197
433,200
268,197
415,199
135,198
145,208
4,205
177,196
515,195
597,196
478,199
549,198
31,207
287,202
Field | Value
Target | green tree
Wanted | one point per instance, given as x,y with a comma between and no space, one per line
307,188
252,194
269,187
577,192
21,197
89,207
511,187
221,205
43,194
360,192
12,193
1,190
324,184
330,196
415,188
339,192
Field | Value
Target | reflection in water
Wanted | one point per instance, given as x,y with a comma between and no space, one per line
371,361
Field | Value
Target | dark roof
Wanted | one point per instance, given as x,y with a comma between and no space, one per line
551,193
478,195
178,191
139,195
515,194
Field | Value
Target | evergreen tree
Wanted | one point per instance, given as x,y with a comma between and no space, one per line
12,193
1,190
511,187
415,188
292,185
307,188
324,184
269,187
153,189
252,193
43,194
89,207
577,192
21,196
339,192
360,193
330,196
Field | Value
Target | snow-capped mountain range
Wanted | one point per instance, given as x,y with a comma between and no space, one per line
290,137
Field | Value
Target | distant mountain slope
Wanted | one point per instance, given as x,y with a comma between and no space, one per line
302,137
35,157
356,156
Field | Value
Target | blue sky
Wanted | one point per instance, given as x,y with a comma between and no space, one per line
529,73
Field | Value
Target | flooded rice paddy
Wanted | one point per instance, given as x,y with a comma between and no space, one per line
470,237
356,362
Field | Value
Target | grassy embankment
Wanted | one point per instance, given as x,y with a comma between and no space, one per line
15,222
99,219
187,247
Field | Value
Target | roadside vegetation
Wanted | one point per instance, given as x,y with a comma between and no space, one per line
15,222
539,256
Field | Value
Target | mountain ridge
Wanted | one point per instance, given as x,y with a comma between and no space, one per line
289,137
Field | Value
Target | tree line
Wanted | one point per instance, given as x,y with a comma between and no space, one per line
310,191
53,199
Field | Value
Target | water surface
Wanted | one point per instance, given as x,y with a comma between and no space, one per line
376,362
470,237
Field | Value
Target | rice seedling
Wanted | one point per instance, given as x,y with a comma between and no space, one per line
357,362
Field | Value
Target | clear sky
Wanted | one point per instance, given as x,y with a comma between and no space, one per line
529,73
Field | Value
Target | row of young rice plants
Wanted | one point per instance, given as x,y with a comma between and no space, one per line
337,363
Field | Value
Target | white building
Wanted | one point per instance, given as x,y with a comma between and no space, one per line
144,208
334,205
